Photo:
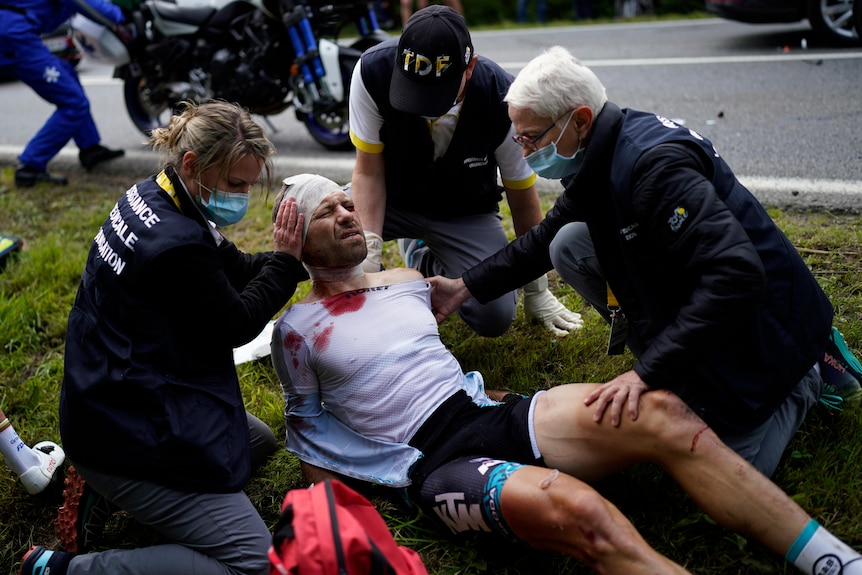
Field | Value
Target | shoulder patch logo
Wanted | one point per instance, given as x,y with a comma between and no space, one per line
677,219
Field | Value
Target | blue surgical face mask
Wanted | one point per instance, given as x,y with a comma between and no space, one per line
223,208
548,163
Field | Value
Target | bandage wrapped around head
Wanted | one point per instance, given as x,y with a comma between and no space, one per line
308,190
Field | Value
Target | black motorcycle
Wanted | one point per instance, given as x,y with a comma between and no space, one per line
265,55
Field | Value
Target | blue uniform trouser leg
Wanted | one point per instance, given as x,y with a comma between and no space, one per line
55,81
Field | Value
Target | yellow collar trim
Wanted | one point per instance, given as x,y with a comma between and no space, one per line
167,185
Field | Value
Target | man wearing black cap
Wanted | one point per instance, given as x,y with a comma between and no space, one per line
431,131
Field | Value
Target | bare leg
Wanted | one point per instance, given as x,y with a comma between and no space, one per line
724,485
561,513
456,6
406,11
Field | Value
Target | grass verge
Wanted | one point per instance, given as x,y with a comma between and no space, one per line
820,469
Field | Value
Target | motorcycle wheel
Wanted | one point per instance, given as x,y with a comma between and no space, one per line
330,127
148,108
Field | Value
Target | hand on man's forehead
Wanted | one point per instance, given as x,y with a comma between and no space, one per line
309,190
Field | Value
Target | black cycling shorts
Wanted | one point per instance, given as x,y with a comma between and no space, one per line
468,454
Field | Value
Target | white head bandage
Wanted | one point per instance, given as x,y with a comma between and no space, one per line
309,190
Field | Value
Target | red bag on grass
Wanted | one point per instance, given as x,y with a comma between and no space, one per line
330,529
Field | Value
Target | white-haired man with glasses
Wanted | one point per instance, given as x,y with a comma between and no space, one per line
656,232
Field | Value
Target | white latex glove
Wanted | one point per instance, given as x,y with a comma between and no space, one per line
541,305
374,243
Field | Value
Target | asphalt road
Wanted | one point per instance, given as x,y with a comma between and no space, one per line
784,110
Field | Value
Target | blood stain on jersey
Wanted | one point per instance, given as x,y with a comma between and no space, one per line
292,341
347,302
321,338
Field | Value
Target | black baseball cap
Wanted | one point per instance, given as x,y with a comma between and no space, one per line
433,52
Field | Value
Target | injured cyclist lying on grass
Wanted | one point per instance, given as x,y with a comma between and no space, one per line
362,365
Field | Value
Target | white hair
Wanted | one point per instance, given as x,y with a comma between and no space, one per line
555,82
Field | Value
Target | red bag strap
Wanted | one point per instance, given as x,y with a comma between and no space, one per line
325,506
387,556
334,516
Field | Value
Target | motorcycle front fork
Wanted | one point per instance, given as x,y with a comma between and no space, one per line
317,62
308,63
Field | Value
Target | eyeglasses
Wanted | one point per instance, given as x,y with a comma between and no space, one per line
532,142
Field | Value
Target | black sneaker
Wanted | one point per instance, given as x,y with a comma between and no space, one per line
82,516
41,561
27,177
95,155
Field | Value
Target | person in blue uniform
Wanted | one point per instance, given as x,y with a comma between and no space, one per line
25,56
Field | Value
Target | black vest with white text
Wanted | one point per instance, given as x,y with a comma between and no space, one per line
464,180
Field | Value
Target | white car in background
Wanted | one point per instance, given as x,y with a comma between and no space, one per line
833,20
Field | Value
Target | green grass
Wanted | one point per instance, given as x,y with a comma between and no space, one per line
820,470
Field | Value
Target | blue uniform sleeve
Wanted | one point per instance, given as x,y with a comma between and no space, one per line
100,11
